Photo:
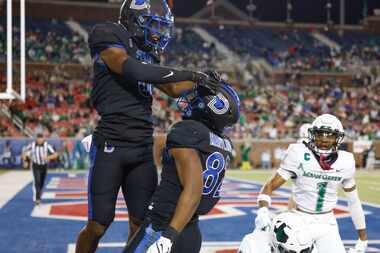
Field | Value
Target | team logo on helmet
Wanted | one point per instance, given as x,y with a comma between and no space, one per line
139,4
281,235
219,104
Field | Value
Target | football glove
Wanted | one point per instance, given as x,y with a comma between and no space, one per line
162,245
208,79
360,247
263,220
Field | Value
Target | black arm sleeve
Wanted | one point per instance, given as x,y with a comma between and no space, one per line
135,70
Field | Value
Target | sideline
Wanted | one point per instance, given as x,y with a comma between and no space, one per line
11,183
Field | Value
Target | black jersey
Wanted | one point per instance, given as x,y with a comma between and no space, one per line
124,106
215,153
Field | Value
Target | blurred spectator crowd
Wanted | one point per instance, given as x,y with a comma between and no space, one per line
55,104
58,103
47,41
277,112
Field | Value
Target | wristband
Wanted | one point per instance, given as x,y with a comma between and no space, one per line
264,197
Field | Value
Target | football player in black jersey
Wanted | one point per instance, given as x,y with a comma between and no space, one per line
194,162
124,56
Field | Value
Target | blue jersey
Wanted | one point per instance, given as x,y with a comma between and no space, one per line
214,151
123,104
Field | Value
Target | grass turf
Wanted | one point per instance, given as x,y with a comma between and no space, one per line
2,171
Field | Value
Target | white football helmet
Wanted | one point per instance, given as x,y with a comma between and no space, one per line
289,234
326,125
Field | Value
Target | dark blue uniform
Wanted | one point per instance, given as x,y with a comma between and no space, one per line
215,152
121,154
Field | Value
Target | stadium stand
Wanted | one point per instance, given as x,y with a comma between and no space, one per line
58,102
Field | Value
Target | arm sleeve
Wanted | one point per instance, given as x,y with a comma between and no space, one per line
184,135
135,70
289,166
102,37
349,180
356,209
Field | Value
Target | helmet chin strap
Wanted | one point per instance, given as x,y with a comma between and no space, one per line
325,158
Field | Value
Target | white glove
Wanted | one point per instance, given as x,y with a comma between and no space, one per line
360,247
257,241
86,142
263,220
162,245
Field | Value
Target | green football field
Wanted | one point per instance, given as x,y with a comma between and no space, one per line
368,182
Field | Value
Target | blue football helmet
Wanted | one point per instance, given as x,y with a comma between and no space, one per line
152,26
217,110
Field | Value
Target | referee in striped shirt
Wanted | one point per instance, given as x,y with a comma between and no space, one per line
39,153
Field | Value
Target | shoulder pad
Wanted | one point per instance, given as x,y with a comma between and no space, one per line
106,35
187,133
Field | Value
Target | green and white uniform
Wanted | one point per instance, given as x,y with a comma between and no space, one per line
315,191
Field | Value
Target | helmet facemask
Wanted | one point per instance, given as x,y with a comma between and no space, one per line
325,141
158,31
152,27
189,101
217,111
281,249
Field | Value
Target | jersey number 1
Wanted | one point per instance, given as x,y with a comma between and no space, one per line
321,195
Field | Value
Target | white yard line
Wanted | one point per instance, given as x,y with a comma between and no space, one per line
11,183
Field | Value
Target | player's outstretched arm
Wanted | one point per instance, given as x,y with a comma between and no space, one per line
176,90
209,79
263,219
189,170
273,184
119,62
358,218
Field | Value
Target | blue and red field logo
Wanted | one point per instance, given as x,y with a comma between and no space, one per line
64,212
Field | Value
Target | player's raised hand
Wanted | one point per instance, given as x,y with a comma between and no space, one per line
162,245
209,79
263,219
360,247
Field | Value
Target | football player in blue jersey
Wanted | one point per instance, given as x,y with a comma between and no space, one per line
125,56
196,156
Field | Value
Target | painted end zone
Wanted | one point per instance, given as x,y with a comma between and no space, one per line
54,225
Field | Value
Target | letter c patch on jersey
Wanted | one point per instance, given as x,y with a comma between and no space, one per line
306,156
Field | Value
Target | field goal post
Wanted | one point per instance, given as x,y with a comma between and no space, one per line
10,92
